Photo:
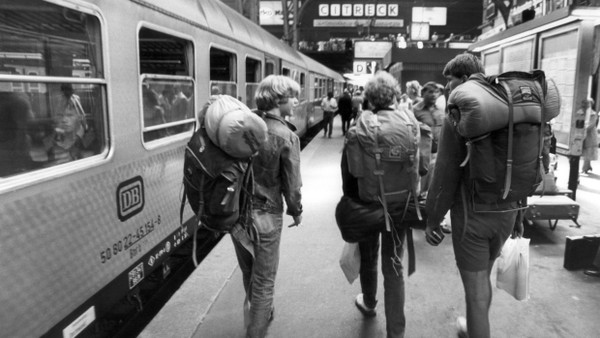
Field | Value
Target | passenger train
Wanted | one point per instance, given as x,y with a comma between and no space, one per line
98,99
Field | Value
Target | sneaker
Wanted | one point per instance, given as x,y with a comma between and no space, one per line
461,327
366,311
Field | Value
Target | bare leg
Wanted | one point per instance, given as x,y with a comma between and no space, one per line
478,295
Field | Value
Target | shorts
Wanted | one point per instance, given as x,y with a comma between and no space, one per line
484,237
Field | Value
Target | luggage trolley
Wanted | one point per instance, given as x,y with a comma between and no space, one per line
552,208
552,205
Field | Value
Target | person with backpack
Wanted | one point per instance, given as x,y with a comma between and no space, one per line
276,178
380,171
483,219
330,106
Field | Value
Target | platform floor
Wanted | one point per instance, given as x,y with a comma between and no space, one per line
313,298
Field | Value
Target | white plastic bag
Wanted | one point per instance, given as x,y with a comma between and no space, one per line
350,261
513,268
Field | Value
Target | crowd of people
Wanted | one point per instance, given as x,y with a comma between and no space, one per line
477,238
475,250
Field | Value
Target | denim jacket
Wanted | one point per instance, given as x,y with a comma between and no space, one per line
277,169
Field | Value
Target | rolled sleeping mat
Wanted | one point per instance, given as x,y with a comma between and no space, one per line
477,107
234,128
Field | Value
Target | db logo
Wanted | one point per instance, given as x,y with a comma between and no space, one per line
130,198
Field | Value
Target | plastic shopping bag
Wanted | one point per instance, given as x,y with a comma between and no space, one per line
513,268
350,261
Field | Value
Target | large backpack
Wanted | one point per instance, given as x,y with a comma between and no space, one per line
383,154
503,118
218,185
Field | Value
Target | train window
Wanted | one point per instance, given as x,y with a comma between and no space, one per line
223,72
319,86
49,120
162,53
285,71
269,68
167,86
253,78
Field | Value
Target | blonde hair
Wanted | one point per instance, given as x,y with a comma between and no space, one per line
275,90
413,87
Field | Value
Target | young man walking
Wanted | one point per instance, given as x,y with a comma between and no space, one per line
478,242
383,123
276,178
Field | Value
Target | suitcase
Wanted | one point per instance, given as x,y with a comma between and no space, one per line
552,207
580,251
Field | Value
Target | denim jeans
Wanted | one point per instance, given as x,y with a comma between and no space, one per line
259,273
328,118
393,280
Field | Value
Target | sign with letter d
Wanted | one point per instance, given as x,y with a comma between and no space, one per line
360,67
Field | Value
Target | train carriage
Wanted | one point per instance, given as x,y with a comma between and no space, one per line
97,101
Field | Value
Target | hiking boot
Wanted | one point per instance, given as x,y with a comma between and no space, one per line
360,304
461,327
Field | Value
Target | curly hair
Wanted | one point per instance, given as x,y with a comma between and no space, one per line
381,90
275,90
463,64
413,87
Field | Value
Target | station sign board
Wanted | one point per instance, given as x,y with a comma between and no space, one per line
365,67
371,49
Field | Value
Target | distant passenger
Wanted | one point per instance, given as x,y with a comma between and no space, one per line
431,115
330,106
357,102
70,126
15,114
345,109
154,114
276,179
413,90
590,142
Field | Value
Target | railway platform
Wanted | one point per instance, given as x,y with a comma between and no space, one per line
313,298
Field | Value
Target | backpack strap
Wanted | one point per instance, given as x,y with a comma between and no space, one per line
509,154
541,172
379,173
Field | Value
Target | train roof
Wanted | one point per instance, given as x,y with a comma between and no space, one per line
217,17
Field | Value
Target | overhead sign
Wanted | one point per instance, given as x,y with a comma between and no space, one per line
436,16
356,23
380,10
371,49
365,67
271,12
